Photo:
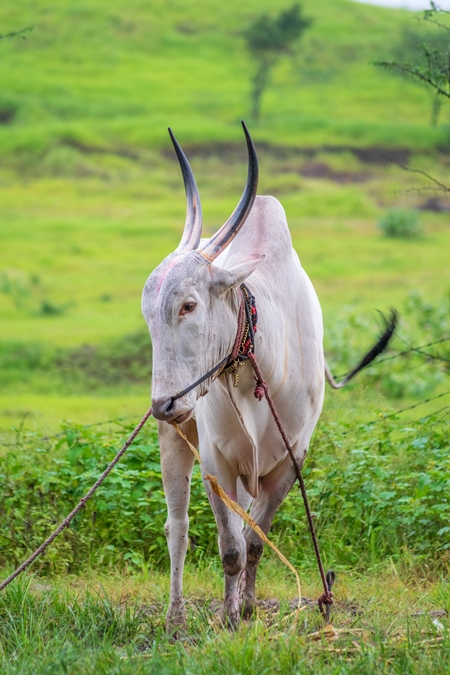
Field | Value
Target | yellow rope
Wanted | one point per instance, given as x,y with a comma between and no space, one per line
233,506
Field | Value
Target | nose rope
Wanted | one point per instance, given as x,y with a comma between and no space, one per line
261,391
243,342
199,381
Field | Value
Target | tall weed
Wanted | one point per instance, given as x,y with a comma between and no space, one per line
403,370
377,490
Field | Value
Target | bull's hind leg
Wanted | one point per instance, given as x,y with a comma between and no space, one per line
273,490
177,462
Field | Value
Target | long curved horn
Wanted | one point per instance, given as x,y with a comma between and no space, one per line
229,230
193,226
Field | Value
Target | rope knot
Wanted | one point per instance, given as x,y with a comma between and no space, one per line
261,389
326,599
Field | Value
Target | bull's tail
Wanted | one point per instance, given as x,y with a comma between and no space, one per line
390,324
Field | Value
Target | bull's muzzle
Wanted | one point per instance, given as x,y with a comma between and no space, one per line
168,410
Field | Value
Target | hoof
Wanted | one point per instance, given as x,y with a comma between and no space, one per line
176,625
230,620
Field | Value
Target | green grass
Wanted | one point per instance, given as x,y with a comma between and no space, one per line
115,625
91,193
89,261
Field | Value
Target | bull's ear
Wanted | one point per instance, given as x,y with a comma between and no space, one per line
224,279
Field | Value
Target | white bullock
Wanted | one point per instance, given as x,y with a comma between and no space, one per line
191,303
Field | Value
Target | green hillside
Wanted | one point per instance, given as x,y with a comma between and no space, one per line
115,74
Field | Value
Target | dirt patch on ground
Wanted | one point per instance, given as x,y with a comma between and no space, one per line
306,162
86,149
7,114
272,605
322,170
435,204
235,152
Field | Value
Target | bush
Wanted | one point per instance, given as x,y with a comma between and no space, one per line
423,324
400,224
123,523
384,490
119,361
377,490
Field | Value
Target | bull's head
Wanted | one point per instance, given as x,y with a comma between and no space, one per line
190,304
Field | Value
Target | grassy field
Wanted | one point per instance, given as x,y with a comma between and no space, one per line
76,253
91,200
114,624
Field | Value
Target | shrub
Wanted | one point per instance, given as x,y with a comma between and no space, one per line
382,491
377,490
123,524
119,361
400,224
421,346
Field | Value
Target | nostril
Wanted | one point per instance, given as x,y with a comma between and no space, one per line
162,407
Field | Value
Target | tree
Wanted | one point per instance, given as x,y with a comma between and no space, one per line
432,70
8,110
268,39
432,66
17,33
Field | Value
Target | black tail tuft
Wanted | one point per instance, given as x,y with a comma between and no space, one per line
390,324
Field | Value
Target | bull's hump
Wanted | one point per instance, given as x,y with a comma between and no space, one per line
265,231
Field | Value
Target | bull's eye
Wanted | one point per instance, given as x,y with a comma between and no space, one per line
187,308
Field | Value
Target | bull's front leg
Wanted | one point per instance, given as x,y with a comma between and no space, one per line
177,462
232,546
